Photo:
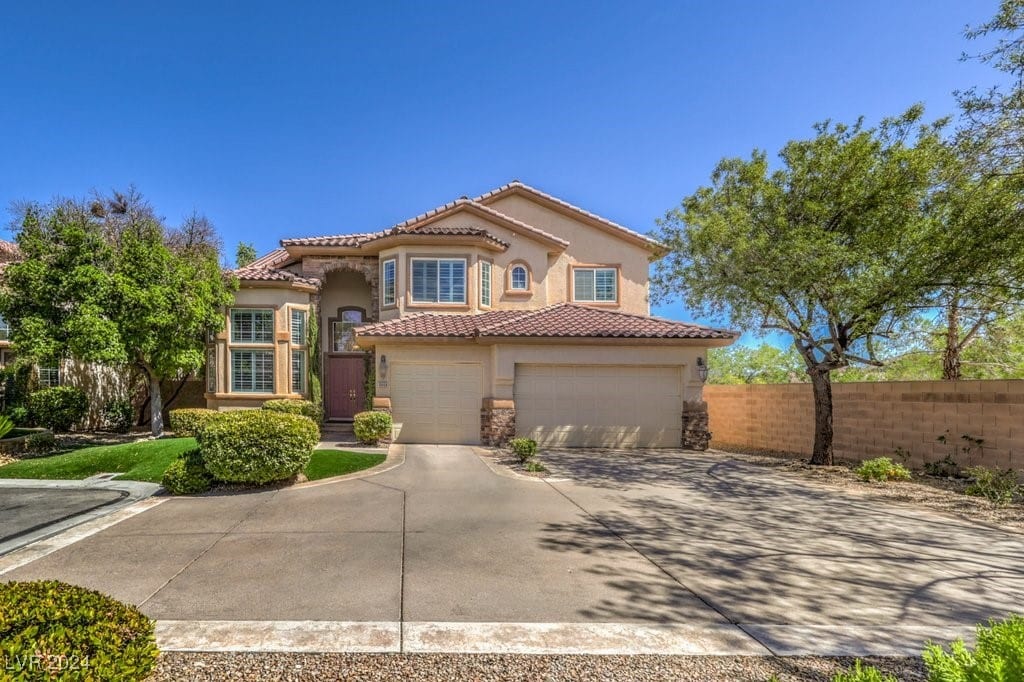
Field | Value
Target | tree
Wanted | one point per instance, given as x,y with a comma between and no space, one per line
244,254
835,247
107,282
763,364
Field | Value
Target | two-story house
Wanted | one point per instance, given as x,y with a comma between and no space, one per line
513,313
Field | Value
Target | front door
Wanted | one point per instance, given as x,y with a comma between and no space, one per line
346,385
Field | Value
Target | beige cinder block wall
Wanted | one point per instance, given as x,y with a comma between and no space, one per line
873,419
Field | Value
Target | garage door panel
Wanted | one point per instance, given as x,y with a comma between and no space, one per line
599,405
437,403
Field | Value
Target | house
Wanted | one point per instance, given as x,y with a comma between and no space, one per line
512,313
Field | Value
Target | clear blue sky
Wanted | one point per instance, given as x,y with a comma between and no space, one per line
291,119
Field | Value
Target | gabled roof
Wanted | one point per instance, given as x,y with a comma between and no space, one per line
563,320
351,240
269,260
419,222
545,199
262,274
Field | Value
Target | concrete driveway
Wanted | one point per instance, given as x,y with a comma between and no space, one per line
667,552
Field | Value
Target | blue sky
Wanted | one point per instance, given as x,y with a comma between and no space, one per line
293,119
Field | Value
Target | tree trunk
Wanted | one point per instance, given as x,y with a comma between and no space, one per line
951,353
156,407
821,382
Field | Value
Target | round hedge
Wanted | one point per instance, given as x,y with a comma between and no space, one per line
53,630
371,427
187,475
306,408
257,446
58,408
187,421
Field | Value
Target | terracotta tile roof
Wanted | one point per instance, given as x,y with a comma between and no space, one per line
269,260
258,274
350,240
564,320
517,185
454,231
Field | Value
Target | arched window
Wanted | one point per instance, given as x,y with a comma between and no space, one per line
519,278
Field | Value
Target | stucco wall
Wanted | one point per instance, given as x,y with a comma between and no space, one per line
873,419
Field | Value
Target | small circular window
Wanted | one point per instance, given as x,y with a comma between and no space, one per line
519,278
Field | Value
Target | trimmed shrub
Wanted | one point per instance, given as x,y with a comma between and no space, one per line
257,446
535,466
58,408
19,415
187,421
882,469
53,630
118,415
863,673
187,475
997,657
524,448
289,406
41,442
1000,487
372,427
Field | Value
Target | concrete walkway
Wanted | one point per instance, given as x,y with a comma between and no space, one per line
664,553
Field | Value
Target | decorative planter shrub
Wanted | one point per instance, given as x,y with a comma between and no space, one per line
27,442
257,446
371,427
58,408
53,630
187,475
303,407
187,421
525,448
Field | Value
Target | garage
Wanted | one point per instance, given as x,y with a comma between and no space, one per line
437,402
599,405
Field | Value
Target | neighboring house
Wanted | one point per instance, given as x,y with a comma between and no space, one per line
514,313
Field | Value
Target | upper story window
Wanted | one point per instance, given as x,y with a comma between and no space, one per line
388,286
5,330
595,285
298,327
438,280
485,283
343,334
519,278
252,325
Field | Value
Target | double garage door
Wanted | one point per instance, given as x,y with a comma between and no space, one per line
556,405
599,405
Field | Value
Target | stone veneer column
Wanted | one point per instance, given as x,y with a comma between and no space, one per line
695,425
497,421
367,266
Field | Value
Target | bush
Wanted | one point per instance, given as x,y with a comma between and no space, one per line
1000,487
997,657
524,448
372,427
19,415
863,673
187,421
882,469
118,415
303,407
187,475
41,442
58,408
535,466
53,630
257,446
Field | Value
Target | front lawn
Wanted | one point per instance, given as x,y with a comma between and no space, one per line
143,461
327,463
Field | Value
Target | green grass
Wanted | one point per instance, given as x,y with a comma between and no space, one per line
327,463
143,461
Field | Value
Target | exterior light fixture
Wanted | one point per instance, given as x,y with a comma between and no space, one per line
702,369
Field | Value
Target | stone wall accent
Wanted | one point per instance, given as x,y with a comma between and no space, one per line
695,425
367,266
497,421
873,419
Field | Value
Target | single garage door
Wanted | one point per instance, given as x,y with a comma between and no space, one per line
599,405
438,402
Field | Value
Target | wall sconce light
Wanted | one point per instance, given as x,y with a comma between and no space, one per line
702,369
383,367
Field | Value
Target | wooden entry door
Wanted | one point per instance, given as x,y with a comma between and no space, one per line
346,385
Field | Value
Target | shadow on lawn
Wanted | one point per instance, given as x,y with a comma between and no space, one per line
764,548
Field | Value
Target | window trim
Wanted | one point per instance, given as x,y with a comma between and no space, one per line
273,372
231,325
490,282
518,263
393,303
304,312
301,390
467,280
595,267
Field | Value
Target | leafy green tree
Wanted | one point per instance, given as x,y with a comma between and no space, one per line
834,247
763,364
107,282
245,253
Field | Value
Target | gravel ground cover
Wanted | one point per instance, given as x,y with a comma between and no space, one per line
940,494
484,668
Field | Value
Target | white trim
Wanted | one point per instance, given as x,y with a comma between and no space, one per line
595,299
439,260
512,278
231,325
231,369
490,283
394,282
